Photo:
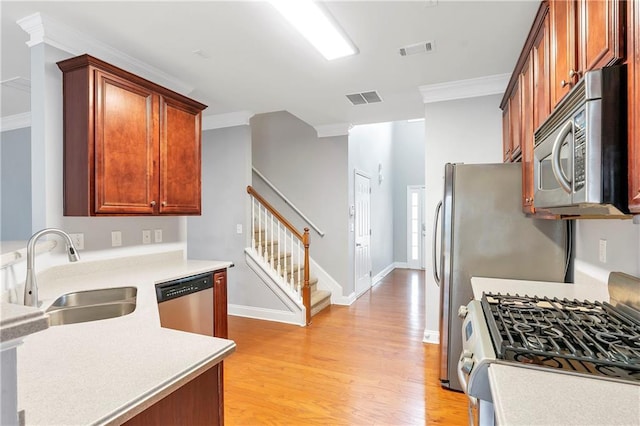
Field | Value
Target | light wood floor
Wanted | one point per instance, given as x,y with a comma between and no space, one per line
363,364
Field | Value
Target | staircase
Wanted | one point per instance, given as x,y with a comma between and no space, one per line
281,253
291,272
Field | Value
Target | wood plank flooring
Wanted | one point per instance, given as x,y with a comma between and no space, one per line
363,364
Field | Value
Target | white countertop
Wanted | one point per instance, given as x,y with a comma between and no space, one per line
107,371
526,396
591,292
17,321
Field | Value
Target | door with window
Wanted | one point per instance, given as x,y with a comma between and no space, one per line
415,227
362,227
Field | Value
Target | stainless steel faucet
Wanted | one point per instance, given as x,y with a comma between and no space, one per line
30,284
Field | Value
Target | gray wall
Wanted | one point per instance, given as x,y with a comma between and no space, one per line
369,146
15,167
408,167
226,172
312,173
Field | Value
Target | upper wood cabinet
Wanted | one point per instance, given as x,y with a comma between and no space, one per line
527,110
506,135
633,65
131,147
585,35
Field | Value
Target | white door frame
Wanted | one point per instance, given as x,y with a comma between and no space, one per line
358,243
416,263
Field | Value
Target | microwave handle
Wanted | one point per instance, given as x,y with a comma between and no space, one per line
556,166
436,277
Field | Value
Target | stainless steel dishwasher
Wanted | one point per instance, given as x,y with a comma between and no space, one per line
186,304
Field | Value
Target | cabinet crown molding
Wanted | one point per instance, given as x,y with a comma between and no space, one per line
42,29
461,89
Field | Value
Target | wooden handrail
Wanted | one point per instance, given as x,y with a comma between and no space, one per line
275,212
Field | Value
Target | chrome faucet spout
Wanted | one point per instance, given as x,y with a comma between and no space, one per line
30,283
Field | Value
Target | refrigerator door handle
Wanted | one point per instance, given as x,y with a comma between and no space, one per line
435,242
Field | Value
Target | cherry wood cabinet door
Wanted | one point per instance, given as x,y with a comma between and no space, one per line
634,107
506,134
180,157
601,33
563,66
541,89
527,108
515,126
125,147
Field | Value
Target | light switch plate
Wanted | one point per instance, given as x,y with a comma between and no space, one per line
146,236
157,234
116,238
239,228
602,251
78,240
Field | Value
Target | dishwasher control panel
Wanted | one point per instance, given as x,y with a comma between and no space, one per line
183,286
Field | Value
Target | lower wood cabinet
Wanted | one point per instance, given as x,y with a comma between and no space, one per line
195,403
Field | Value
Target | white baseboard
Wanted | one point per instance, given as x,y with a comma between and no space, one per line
432,337
379,276
401,265
264,314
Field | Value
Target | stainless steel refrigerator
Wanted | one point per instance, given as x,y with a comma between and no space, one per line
484,233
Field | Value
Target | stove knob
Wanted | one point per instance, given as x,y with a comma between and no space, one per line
462,311
467,365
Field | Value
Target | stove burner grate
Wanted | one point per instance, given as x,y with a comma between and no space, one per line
585,337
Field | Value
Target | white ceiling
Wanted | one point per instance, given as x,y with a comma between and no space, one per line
257,62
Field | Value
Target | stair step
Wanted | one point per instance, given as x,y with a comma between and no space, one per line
320,299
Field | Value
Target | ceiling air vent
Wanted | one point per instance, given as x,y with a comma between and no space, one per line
364,98
414,49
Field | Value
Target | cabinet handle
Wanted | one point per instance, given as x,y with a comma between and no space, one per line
565,83
164,204
153,203
573,73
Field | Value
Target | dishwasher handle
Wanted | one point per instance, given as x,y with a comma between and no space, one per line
183,286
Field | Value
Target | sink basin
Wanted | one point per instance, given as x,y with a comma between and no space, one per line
94,297
90,313
92,305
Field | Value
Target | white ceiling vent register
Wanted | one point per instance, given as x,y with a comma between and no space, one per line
414,49
364,98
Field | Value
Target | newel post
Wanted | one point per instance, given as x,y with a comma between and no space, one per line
306,290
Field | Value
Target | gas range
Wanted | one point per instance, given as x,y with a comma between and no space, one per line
559,335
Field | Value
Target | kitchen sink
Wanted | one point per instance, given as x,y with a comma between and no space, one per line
92,305
94,297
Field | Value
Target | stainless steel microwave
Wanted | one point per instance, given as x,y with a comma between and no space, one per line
580,151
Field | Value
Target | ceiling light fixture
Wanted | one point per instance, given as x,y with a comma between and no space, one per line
316,26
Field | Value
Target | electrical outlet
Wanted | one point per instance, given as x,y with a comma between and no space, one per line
239,228
146,236
603,251
157,235
116,238
77,240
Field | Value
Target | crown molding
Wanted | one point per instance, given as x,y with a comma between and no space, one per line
17,121
231,119
43,29
461,89
329,130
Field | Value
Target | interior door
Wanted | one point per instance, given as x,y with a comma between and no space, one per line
415,227
362,227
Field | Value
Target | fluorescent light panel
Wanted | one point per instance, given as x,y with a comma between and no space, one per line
316,26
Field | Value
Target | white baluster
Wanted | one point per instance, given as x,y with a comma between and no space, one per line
278,262
299,257
284,273
253,223
271,239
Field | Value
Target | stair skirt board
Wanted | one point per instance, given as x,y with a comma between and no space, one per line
296,308
266,314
